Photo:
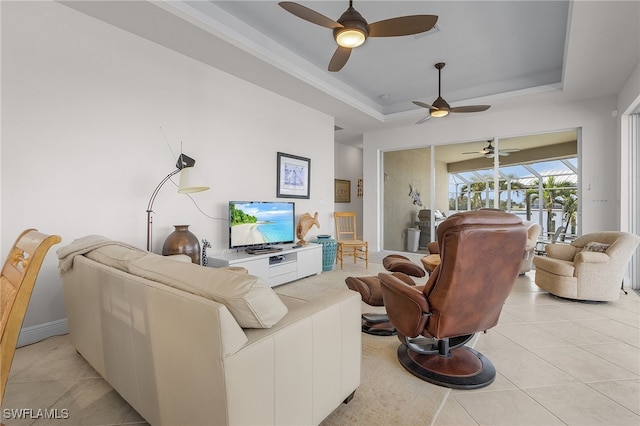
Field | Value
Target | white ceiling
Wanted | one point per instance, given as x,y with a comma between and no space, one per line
489,47
495,51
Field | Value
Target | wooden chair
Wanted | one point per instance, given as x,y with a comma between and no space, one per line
18,277
348,244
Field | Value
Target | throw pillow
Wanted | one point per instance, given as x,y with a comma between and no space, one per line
251,302
597,247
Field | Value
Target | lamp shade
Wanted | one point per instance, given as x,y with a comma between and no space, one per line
191,181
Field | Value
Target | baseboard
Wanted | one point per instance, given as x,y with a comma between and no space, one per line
36,333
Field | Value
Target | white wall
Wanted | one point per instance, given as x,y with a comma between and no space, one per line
348,166
401,169
85,111
628,101
598,156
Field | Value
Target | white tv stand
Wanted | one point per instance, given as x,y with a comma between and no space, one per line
286,265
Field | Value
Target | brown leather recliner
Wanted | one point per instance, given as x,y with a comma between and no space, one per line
481,253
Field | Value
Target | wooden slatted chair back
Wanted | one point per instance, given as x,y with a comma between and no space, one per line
17,280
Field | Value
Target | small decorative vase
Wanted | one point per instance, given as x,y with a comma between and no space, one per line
329,247
182,241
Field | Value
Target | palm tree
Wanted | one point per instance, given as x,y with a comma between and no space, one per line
517,187
530,196
553,192
474,192
570,208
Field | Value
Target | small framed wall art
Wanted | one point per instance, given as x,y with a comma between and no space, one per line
342,191
294,176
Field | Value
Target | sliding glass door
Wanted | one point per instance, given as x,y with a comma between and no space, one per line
535,177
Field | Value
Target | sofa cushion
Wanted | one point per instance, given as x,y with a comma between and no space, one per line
115,256
555,266
252,303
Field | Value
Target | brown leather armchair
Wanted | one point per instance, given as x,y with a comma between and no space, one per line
481,253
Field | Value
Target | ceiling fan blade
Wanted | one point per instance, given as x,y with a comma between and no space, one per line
402,26
471,108
310,15
484,151
509,150
503,153
423,120
339,58
422,104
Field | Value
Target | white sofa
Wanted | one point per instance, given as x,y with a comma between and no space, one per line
167,336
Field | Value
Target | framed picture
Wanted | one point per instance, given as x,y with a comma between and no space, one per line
342,191
294,175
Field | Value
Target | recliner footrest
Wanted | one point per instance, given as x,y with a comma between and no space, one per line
375,318
379,329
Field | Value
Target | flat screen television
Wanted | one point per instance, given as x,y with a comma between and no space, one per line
261,223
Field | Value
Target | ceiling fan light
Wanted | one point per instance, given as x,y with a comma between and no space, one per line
350,37
439,113
440,108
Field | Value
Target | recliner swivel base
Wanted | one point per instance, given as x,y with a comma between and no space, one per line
465,368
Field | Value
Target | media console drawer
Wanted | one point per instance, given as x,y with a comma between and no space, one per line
277,268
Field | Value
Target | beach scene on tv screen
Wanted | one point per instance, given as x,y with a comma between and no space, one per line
261,223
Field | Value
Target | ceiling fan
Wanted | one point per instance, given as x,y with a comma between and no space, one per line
440,107
351,29
489,151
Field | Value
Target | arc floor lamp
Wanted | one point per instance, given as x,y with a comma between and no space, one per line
189,183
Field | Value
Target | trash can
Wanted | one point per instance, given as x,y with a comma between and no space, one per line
413,239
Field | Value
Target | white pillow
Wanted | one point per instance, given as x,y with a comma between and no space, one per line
252,303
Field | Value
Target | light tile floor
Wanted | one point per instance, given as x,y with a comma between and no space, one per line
558,362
